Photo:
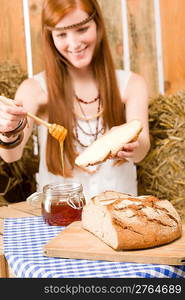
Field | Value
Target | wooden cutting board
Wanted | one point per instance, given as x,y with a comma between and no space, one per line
75,242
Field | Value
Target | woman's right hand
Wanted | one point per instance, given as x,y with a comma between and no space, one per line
10,115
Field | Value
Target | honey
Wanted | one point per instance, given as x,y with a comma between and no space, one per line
59,133
62,204
61,214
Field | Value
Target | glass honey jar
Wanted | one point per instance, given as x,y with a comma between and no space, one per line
61,204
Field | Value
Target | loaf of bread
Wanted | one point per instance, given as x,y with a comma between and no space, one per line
127,222
109,144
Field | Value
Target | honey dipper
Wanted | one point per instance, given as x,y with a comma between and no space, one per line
57,131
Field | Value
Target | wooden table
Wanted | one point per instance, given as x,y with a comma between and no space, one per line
17,210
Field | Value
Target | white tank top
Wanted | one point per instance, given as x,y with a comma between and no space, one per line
121,178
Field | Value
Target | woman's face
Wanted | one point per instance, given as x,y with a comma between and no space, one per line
76,44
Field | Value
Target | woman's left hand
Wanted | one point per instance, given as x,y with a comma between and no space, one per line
127,151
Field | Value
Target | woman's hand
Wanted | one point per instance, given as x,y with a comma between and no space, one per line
10,116
127,151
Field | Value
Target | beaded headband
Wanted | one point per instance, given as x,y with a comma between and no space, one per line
86,20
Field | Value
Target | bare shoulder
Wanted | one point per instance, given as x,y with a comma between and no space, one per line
136,81
31,95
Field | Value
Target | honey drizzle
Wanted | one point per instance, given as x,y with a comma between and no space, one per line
59,133
62,157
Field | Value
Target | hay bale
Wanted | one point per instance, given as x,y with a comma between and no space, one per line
17,180
162,172
11,77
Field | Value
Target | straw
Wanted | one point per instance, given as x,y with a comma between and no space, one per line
162,172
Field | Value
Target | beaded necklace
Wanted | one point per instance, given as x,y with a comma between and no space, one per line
87,119
87,102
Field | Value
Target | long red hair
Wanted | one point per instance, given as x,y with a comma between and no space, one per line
59,85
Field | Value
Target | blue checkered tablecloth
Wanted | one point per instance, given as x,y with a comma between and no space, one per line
24,239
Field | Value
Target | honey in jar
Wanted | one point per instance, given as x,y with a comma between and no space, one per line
61,204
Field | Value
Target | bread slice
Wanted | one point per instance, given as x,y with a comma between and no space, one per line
109,144
126,222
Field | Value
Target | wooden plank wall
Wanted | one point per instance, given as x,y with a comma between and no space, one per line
173,35
140,14
35,23
12,39
142,41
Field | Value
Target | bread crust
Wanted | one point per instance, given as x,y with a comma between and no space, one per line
134,222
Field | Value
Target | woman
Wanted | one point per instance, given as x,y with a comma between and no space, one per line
80,90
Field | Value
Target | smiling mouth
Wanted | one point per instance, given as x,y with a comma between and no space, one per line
78,52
